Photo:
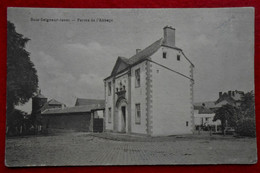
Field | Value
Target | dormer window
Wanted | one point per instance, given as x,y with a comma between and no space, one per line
164,55
178,57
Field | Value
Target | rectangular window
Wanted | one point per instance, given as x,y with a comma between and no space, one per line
187,123
137,77
178,57
109,88
164,55
109,115
137,114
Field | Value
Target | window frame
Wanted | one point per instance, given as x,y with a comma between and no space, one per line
109,88
109,115
164,55
137,82
178,57
138,113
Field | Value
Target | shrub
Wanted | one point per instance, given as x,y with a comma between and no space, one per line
246,127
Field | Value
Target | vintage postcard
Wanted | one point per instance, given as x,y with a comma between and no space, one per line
130,87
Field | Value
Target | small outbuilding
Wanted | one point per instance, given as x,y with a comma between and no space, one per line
82,117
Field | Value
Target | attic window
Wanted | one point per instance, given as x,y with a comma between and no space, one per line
164,55
178,57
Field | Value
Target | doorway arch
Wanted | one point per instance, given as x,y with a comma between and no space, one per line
122,114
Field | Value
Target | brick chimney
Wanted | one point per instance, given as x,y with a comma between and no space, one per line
169,36
219,94
229,93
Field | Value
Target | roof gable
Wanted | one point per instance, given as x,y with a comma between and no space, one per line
121,64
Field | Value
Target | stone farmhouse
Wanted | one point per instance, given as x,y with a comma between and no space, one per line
151,93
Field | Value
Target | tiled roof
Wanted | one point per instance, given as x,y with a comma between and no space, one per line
124,60
142,55
82,101
204,107
75,109
54,102
146,53
207,104
205,111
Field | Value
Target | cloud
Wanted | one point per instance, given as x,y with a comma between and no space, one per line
76,70
92,80
88,58
47,62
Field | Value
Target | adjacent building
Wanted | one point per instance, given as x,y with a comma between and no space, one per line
151,93
204,115
80,118
204,112
86,115
231,97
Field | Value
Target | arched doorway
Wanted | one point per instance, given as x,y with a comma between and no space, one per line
122,120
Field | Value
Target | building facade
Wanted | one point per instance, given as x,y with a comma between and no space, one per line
151,93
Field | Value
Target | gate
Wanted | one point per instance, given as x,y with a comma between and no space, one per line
98,125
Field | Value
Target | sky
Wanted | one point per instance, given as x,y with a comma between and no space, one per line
76,51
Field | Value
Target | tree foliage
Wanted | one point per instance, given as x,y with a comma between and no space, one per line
248,105
246,127
22,79
228,115
241,118
246,124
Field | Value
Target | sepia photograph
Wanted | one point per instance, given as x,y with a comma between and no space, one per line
89,87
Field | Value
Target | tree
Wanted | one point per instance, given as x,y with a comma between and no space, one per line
15,122
241,118
246,123
227,114
248,105
22,79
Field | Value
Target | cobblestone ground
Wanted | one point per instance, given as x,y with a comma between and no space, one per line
85,149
